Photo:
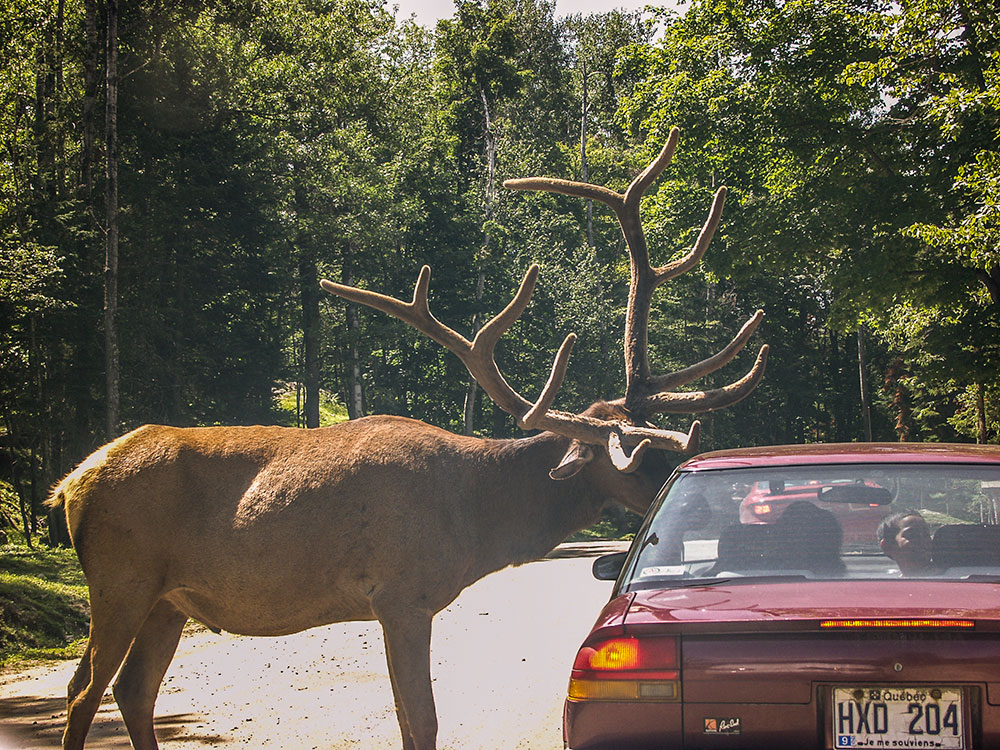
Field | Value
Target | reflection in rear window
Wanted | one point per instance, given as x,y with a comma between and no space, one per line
875,521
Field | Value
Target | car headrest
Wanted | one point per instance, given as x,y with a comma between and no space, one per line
745,546
966,545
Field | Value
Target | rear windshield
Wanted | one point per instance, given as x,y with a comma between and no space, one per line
875,521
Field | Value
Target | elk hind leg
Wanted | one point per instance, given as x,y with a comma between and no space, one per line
139,681
408,651
112,628
81,677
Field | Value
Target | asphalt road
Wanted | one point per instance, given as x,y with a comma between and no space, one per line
501,655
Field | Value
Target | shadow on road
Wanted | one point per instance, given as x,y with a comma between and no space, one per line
34,722
585,549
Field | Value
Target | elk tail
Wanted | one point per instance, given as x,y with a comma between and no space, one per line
69,494
57,498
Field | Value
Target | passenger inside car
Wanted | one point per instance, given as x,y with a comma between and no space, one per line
905,538
806,539
809,539
744,547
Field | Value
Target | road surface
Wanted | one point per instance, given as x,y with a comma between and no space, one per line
500,656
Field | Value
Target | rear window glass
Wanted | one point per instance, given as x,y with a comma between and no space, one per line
859,521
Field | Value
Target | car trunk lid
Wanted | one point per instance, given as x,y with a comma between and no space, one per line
734,646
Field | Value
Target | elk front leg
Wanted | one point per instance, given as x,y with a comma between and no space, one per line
407,634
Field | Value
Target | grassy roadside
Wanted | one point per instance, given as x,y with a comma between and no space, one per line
44,611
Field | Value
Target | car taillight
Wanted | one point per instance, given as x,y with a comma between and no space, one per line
901,623
627,669
762,510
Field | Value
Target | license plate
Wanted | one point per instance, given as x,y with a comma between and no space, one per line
898,716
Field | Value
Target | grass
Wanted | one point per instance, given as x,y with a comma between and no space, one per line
936,519
607,529
44,610
331,411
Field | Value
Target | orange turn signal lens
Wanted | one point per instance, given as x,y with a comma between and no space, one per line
624,690
897,624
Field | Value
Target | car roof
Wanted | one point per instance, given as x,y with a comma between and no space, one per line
844,453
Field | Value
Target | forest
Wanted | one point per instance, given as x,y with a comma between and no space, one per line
176,177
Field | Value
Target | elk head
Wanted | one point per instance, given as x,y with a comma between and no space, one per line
620,426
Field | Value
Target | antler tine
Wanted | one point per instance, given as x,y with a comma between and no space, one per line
534,418
416,313
487,337
693,372
624,462
568,187
649,437
689,261
699,401
641,183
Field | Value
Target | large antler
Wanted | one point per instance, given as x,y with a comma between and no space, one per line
478,357
644,393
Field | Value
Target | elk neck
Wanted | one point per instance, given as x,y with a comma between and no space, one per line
520,512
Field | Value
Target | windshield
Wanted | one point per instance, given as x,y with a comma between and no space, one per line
821,522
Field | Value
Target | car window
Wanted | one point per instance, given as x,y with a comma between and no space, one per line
876,521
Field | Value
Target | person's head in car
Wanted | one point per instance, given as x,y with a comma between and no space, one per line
906,539
811,538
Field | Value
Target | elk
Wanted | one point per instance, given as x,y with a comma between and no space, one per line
271,530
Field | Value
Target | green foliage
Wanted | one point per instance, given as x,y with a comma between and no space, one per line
9,511
942,72
264,146
612,526
290,401
859,140
44,611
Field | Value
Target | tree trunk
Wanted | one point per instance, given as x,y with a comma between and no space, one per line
356,402
14,439
469,411
584,173
59,106
91,52
111,239
992,284
489,194
44,101
900,398
309,296
866,409
355,393
980,414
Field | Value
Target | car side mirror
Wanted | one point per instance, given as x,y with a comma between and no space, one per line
609,567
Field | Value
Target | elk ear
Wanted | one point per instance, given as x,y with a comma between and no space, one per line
576,457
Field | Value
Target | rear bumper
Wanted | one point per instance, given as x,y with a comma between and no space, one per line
594,725
715,725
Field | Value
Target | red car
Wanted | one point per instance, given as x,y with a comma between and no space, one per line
766,501
722,634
